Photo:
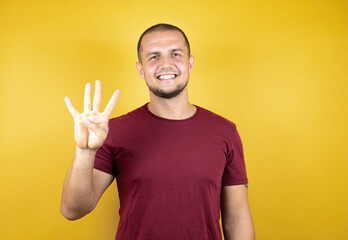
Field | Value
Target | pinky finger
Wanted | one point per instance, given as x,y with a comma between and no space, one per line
71,108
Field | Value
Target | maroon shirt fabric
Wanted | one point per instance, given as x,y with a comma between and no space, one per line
170,173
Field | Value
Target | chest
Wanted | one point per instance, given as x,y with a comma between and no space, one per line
170,157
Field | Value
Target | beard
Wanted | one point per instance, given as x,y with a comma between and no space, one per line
168,95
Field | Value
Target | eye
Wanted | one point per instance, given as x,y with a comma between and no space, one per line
154,57
176,54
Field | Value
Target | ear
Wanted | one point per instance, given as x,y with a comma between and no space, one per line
191,61
140,70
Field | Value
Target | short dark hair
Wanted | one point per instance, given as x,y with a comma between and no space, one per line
162,27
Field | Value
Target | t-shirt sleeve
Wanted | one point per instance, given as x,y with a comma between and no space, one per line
235,171
104,158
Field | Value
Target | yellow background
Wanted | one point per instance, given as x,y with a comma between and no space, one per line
278,69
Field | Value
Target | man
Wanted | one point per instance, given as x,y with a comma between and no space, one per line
176,164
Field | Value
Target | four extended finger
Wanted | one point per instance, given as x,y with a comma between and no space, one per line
87,99
97,96
112,103
71,108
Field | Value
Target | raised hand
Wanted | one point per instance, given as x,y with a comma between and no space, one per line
91,126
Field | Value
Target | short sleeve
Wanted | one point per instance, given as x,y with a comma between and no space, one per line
235,171
104,158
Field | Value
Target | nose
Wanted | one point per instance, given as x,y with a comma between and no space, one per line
166,61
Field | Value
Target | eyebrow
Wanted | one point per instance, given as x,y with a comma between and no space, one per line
176,50
158,52
152,53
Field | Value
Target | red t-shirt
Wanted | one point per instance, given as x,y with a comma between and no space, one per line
169,173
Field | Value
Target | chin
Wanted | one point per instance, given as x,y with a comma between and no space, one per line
168,94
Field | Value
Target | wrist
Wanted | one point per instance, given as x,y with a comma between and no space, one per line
84,158
85,151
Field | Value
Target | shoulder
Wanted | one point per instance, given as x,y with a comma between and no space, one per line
215,119
220,128
127,124
131,117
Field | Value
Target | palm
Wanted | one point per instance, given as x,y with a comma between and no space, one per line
91,126
87,138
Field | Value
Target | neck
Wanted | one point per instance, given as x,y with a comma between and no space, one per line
176,108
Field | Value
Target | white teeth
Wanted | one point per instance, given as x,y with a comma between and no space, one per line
166,77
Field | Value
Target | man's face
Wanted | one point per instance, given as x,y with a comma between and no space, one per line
165,63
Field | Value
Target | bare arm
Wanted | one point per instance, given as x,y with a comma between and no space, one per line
84,185
237,222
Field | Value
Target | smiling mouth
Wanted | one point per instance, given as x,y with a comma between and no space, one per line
166,76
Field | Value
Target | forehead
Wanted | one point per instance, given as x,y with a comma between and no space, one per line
163,40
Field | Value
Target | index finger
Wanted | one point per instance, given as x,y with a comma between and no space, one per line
112,103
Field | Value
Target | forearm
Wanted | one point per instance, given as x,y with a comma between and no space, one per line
239,227
78,190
